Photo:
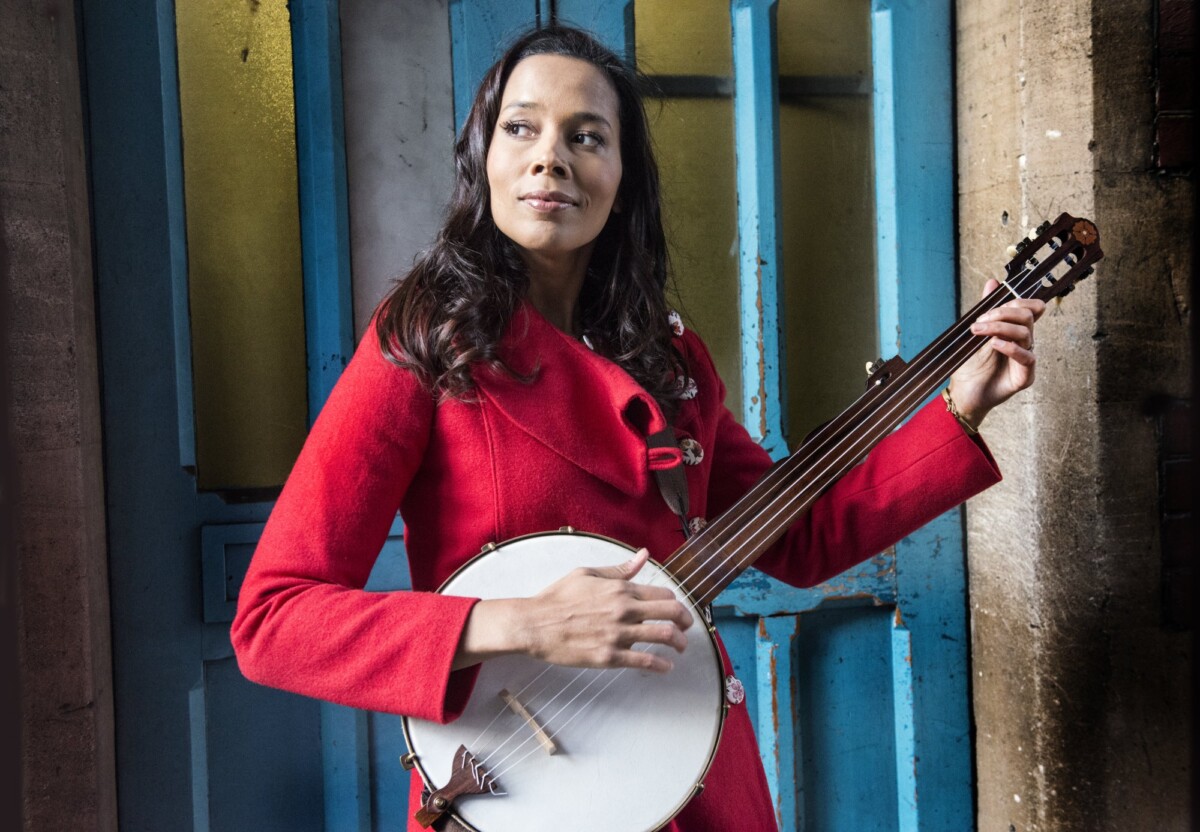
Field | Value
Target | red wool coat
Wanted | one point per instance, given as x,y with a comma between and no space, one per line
566,449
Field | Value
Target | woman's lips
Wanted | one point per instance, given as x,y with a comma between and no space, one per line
548,201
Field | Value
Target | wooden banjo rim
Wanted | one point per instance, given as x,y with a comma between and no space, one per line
709,630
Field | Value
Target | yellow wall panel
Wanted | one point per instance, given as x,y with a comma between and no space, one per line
824,37
243,235
828,255
683,37
694,139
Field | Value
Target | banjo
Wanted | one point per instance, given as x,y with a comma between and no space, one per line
542,746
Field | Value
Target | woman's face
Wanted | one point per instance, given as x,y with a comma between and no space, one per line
554,164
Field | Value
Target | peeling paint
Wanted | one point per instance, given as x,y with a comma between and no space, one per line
762,355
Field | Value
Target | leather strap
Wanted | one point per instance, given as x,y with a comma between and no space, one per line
672,482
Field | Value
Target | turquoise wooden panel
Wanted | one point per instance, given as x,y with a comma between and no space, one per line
225,552
611,21
177,264
844,680
914,153
903,694
261,756
328,319
324,216
887,247
739,633
181,707
778,738
479,32
756,127
153,511
756,141
914,150
389,780
870,583
345,768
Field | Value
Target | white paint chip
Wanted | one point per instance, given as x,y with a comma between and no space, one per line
1017,798
1021,161
1053,134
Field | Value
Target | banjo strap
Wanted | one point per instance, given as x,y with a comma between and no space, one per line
666,461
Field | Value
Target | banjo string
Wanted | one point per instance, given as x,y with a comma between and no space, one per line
844,453
599,672
649,581
500,712
716,547
777,472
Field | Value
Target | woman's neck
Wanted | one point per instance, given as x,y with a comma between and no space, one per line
554,287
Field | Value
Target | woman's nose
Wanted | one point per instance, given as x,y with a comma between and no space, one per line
548,158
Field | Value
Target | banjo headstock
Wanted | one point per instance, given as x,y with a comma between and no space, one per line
1062,253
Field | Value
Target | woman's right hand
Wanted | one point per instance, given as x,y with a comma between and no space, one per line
592,617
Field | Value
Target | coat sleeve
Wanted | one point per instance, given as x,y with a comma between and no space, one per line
925,468
304,622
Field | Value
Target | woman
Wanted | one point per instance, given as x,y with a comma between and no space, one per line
513,379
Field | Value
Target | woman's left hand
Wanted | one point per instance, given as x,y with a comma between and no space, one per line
1004,365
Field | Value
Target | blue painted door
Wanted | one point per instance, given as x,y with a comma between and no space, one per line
199,747
858,687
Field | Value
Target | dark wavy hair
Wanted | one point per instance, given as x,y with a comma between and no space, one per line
451,310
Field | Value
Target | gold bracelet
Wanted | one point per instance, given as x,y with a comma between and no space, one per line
950,406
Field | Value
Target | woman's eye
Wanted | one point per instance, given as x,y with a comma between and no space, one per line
589,139
517,128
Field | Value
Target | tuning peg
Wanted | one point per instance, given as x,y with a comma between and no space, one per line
1067,291
1043,228
1011,252
1087,272
1071,259
1033,261
874,366
1022,243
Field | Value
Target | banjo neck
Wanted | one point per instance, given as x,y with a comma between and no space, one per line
710,560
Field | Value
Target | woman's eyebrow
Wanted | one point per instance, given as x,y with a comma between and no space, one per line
583,115
588,116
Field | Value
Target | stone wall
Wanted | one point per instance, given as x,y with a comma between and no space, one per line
54,423
1081,693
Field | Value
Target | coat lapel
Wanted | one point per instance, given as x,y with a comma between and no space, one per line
579,405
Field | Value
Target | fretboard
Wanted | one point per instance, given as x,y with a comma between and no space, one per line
709,561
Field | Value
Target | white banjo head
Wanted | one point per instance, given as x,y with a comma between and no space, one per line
631,746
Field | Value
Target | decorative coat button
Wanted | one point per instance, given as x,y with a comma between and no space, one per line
687,387
693,453
676,323
735,692
696,524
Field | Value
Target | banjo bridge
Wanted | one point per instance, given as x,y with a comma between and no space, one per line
469,777
538,731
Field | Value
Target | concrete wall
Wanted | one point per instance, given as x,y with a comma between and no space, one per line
1081,695
66,721
399,107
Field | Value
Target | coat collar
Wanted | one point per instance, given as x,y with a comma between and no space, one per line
579,405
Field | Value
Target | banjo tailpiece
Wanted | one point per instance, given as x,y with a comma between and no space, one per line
469,777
